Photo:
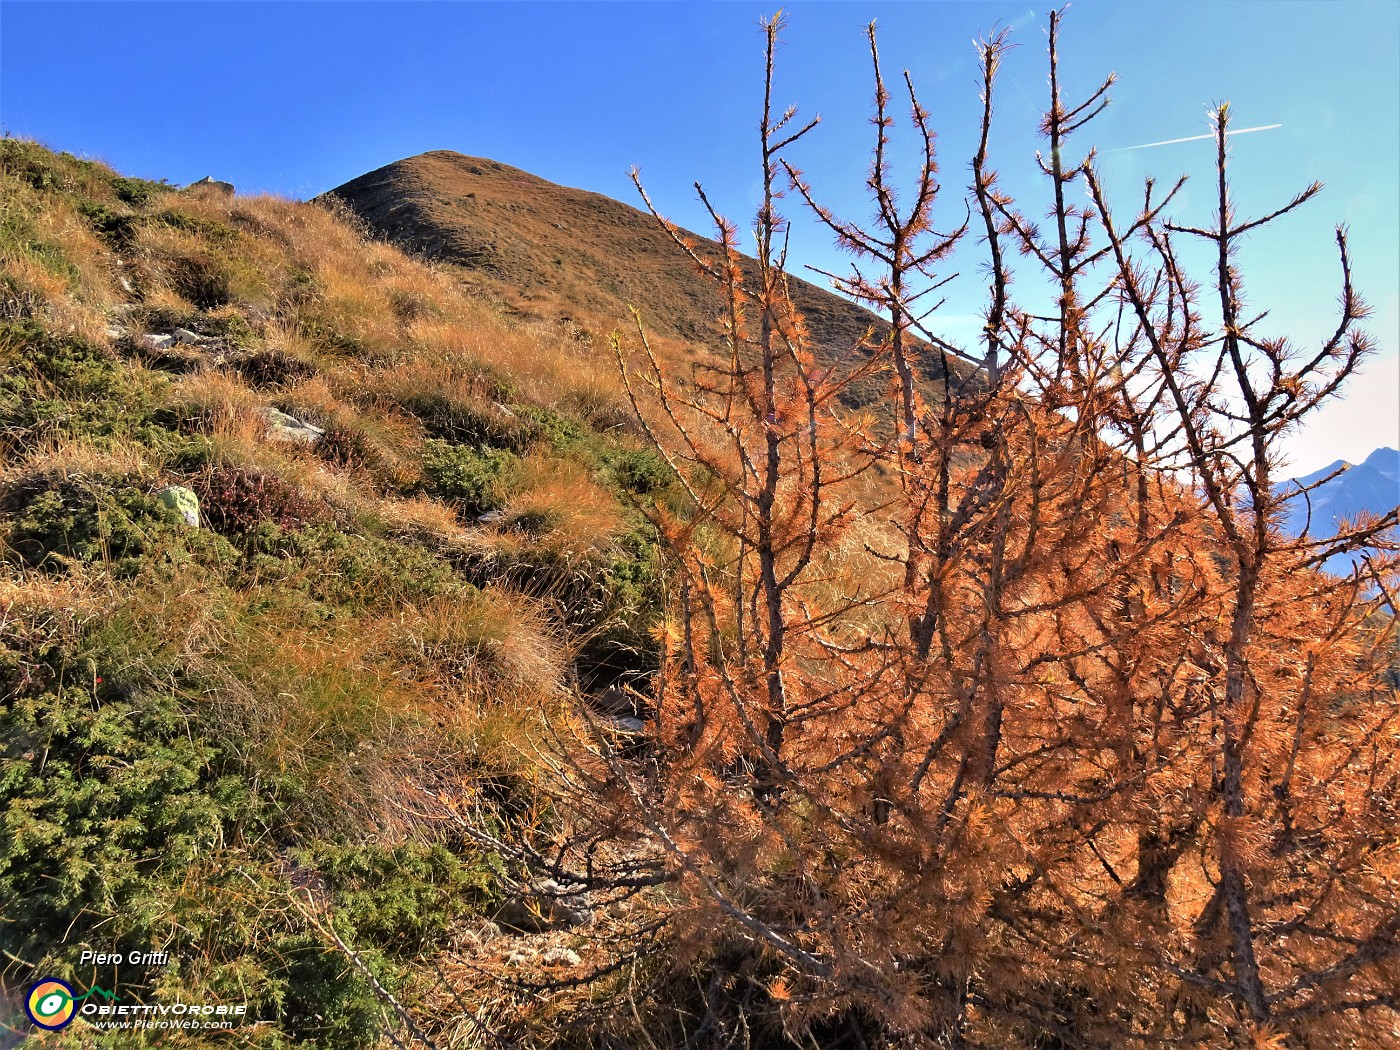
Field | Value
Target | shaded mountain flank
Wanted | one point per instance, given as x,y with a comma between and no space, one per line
1370,486
554,250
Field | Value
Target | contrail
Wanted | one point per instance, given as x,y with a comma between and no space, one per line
1194,138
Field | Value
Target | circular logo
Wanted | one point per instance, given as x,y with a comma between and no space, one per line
50,1004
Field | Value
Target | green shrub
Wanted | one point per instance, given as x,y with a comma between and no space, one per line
639,471
117,225
138,192
627,471
563,433
476,479
344,569
403,899
64,385
48,171
123,825
229,325
51,172
60,521
104,794
210,229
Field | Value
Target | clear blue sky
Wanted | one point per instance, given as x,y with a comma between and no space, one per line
295,98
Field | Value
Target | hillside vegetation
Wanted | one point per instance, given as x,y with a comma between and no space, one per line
544,250
310,688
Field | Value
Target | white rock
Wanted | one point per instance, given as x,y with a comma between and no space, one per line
282,427
562,916
521,958
560,957
158,342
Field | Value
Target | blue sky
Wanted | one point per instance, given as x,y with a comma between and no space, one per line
293,99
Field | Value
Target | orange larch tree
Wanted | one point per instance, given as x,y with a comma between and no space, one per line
1019,722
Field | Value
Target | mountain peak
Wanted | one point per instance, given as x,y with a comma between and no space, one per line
556,251
1385,460
1370,486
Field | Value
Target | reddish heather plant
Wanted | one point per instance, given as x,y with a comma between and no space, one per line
235,501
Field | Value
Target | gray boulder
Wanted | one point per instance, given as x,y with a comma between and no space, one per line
559,956
209,182
282,427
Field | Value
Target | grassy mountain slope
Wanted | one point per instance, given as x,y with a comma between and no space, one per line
305,697
551,250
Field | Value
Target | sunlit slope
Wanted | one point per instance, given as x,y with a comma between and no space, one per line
553,250
417,538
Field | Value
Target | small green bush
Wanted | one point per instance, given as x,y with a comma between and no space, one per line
77,180
124,825
626,471
64,385
138,192
103,790
209,229
348,570
115,224
61,521
403,899
639,471
476,479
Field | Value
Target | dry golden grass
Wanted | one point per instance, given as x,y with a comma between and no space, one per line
34,595
426,521
562,509
67,458
32,286
492,648
156,295
221,405
70,296
283,335
443,371
203,267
